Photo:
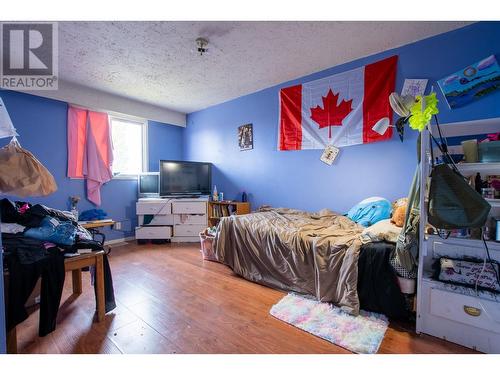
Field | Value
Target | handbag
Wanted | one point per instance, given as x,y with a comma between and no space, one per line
453,203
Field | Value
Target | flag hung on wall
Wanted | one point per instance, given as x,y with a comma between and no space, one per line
340,109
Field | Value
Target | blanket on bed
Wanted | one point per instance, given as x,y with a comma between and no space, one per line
307,253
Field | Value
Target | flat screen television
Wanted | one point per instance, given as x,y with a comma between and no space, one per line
185,178
148,184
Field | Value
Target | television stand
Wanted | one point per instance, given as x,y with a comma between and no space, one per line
178,218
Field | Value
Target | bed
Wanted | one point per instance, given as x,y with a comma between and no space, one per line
314,254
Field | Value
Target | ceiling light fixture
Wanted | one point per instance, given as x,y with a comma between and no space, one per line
201,45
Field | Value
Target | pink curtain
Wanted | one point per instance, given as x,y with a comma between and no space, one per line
90,151
77,139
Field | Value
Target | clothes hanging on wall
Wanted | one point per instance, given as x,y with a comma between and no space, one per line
90,150
77,139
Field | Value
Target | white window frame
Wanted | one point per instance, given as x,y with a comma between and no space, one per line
145,144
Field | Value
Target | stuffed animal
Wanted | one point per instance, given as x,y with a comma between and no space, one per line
399,211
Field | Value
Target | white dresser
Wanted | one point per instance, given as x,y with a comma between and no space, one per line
174,219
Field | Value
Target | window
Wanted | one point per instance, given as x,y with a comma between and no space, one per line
129,146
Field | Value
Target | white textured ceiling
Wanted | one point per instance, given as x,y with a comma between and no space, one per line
155,62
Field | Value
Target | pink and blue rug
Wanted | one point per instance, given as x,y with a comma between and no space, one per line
359,334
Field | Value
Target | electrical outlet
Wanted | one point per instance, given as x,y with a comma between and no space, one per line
118,225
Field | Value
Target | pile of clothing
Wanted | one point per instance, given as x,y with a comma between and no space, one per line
35,241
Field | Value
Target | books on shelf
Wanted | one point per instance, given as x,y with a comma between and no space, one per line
221,210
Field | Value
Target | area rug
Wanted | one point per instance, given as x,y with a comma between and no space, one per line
359,334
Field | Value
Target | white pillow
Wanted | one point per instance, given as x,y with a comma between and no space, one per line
382,230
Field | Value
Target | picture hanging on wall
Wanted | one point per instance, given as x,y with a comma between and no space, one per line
414,87
245,137
471,83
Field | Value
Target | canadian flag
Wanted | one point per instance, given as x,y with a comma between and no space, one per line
340,109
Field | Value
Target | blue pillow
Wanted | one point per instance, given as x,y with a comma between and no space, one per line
369,211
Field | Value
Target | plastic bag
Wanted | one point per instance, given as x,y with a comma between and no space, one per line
21,174
207,250
6,127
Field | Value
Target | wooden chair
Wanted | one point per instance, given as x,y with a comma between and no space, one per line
75,265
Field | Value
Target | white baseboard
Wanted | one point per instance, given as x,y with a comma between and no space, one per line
119,240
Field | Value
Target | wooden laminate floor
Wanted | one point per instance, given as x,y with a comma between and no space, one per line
171,301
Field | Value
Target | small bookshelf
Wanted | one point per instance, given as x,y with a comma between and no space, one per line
216,210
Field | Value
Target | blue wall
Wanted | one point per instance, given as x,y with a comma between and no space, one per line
298,178
41,124
291,179
165,142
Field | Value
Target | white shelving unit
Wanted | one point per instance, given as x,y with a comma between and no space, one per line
443,311
470,169
495,203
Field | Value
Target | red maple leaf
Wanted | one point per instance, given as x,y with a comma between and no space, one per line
331,114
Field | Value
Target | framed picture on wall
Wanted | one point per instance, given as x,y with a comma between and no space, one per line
245,137
471,83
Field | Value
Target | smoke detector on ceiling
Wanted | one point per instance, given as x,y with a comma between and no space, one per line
201,45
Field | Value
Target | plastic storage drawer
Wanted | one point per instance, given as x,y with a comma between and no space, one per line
489,152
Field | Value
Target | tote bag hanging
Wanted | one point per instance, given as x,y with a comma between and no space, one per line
22,174
453,203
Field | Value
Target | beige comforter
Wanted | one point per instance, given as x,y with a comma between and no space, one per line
307,253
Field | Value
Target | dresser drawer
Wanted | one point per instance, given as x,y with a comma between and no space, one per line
188,230
189,207
464,309
153,233
153,208
156,220
193,219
